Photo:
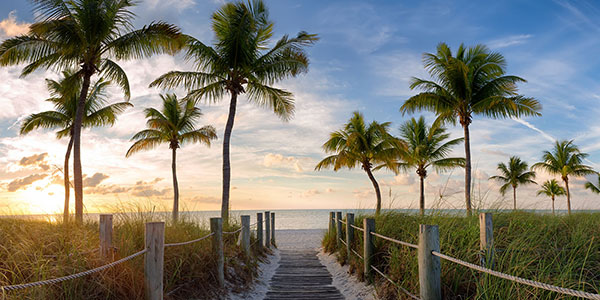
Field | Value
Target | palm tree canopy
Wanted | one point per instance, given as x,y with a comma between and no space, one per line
422,146
240,60
64,95
359,144
174,124
551,188
564,160
87,33
594,188
515,174
473,82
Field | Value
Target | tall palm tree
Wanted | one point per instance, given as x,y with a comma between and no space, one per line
64,95
240,62
551,188
473,82
359,144
422,147
87,34
173,124
514,174
594,188
565,160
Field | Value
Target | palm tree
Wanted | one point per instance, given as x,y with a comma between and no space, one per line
551,188
88,34
471,83
241,63
515,174
422,147
64,96
594,188
565,159
174,124
360,145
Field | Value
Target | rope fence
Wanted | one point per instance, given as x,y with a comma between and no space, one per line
395,284
395,240
190,242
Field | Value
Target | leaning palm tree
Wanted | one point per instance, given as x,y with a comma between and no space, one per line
514,174
64,96
359,144
87,34
240,62
422,147
551,188
594,188
565,160
471,83
174,124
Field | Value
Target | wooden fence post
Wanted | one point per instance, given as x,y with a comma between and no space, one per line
486,240
273,229
259,229
154,260
369,247
338,229
106,233
267,229
245,241
216,227
349,234
331,222
429,265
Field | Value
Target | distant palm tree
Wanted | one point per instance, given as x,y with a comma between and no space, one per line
551,188
87,34
515,174
174,124
421,147
65,94
360,145
594,188
474,82
240,62
564,160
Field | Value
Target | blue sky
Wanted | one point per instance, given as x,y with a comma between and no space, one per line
367,53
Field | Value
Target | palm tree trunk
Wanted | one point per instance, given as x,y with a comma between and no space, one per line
568,195
77,173
467,170
553,205
226,161
66,180
514,198
175,186
377,191
422,199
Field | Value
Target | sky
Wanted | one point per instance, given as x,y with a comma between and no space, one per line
367,53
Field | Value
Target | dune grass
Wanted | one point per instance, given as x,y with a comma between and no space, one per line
560,250
33,250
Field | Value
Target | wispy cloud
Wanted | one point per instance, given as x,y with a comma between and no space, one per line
531,126
509,41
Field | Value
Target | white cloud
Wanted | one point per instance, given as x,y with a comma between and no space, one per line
10,27
509,41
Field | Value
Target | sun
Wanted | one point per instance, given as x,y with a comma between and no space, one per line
43,198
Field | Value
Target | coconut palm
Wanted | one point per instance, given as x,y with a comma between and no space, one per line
514,174
64,95
359,144
594,188
551,188
565,160
240,62
473,82
173,124
422,147
87,34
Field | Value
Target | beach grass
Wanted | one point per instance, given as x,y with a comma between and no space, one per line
560,250
33,250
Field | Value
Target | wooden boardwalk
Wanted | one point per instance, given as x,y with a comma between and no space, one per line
302,276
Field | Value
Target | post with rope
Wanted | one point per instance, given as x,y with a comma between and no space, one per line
216,228
349,234
331,222
486,240
369,247
245,240
429,265
259,229
154,260
338,229
273,229
267,229
106,233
